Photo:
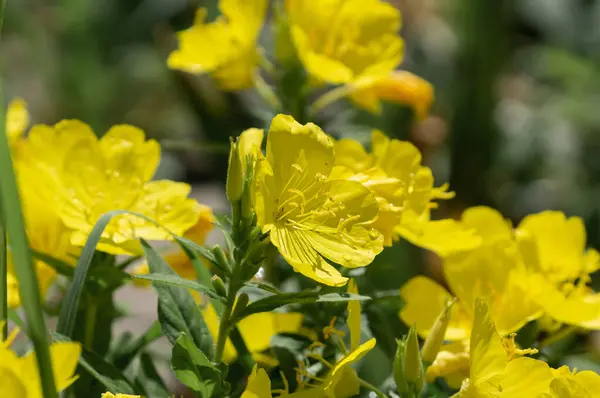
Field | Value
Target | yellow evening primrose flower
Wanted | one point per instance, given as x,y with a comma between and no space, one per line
553,247
113,173
311,218
225,48
19,376
340,41
111,395
404,192
399,87
492,372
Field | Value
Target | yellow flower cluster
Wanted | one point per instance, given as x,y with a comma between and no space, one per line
321,200
496,371
20,377
68,178
354,43
539,269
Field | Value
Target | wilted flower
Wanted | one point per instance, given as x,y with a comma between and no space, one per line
226,48
309,216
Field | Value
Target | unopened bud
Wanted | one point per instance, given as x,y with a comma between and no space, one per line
219,286
434,340
222,262
235,178
412,365
284,46
240,305
401,384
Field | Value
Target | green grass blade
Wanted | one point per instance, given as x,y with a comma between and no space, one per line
24,268
3,283
68,310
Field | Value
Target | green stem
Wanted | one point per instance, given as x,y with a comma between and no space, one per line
21,256
91,314
265,91
371,387
224,324
3,282
329,97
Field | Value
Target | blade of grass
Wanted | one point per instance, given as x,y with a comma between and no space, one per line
3,282
21,256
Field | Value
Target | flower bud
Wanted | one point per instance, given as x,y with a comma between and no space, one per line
285,50
401,384
222,262
412,365
434,340
235,178
219,286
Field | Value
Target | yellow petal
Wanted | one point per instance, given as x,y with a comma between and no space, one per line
560,242
12,384
258,329
401,87
443,237
65,357
452,363
488,358
125,148
335,376
289,143
259,385
424,300
17,119
487,222
303,258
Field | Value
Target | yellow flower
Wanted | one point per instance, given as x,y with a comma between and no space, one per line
400,87
567,384
259,385
226,48
113,173
40,157
492,372
111,395
257,330
309,216
19,376
340,41
404,192
17,120
553,247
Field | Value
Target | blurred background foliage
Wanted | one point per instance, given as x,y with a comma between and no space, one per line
515,123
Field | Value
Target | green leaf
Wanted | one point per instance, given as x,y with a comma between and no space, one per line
60,266
177,310
122,357
272,302
149,380
70,303
175,280
194,369
109,376
14,224
263,286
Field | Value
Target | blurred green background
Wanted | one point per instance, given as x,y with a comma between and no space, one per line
515,123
